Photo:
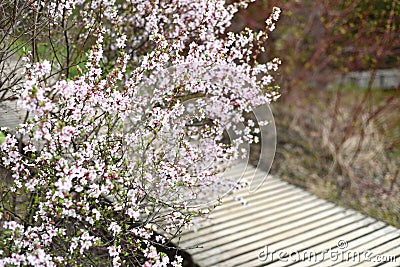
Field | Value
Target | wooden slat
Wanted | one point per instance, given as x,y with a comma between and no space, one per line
363,243
395,263
368,243
325,242
251,244
283,217
391,248
275,203
260,223
299,234
276,189
11,115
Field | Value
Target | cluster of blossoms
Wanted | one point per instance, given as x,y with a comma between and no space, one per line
117,159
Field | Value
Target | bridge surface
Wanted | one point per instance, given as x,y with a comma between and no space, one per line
10,114
282,225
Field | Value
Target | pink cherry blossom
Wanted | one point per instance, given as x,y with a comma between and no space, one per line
128,143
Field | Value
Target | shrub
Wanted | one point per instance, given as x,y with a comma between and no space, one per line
127,104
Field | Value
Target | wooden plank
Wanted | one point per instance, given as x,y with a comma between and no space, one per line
349,237
298,235
284,218
268,214
252,226
389,249
368,242
270,184
274,204
270,191
274,194
313,254
357,255
11,115
301,248
395,263
251,244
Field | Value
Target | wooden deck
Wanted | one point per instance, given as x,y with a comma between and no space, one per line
298,229
11,115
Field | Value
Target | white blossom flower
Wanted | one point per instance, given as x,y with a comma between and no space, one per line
115,228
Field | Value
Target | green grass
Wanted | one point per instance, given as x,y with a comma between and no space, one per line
54,54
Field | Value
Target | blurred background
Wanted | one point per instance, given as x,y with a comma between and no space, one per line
338,119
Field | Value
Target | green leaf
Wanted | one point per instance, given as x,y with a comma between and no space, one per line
2,137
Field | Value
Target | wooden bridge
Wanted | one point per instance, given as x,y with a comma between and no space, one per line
282,225
10,114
